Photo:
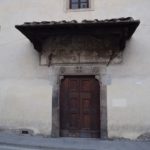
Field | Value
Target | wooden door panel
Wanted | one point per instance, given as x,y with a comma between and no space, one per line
86,105
85,85
74,105
86,122
79,107
73,85
74,121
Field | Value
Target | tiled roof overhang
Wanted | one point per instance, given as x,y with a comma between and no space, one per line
38,32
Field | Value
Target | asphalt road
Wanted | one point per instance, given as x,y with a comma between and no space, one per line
5,147
106,147
9,147
16,142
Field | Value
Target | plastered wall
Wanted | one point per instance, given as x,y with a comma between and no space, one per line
26,87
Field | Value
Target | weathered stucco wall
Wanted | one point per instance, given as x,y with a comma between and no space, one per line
128,94
26,87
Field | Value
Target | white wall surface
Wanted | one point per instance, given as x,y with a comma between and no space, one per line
25,87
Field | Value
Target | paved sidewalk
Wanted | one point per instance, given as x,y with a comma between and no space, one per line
37,142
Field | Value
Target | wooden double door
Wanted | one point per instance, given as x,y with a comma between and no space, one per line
80,107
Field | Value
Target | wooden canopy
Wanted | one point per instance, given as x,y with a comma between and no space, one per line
39,32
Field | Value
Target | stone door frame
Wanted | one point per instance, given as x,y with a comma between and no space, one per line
79,70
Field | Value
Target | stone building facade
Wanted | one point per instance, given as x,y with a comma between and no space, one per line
73,73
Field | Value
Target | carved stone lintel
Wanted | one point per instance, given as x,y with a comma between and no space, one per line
78,69
62,70
61,78
95,70
97,77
